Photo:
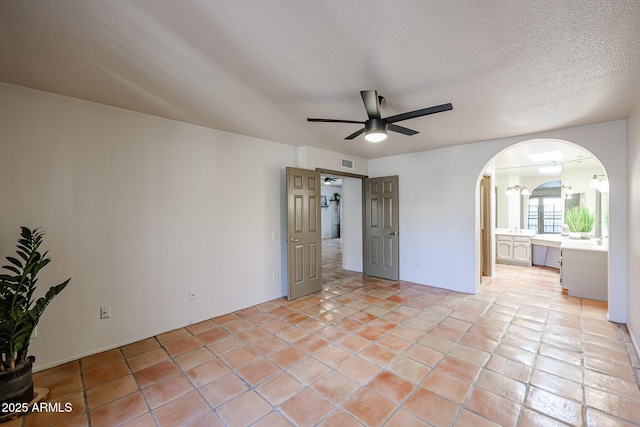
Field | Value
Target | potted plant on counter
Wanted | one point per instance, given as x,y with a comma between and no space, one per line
580,222
20,312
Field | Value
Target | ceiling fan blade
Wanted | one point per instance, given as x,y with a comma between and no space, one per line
401,129
371,103
334,121
353,135
419,113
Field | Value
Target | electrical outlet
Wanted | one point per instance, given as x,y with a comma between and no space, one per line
192,295
105,312
276,276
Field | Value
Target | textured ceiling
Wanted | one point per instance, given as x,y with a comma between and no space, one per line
260,68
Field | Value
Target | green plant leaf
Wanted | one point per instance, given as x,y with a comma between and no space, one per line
12,269
14,261
19,314
579,219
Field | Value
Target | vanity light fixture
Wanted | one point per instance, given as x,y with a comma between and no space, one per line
512,190
600,183
568,191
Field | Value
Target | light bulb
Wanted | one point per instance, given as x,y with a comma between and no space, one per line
374,136
603,186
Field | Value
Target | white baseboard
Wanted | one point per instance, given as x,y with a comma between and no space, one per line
89,353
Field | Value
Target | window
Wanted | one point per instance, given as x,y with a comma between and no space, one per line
532,222
545,214
545,207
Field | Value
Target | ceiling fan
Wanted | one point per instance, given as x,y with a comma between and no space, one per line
329,180
375,128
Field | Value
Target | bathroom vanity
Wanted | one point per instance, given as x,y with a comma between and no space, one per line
584,269
514,246
583,264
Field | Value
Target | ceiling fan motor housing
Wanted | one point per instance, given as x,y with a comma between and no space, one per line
375,125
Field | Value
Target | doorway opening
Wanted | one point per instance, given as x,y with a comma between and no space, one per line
535,182
341,223
331,225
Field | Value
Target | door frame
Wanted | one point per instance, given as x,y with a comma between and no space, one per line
348,228
486,230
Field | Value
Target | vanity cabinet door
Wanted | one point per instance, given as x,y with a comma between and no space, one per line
504,248
521,250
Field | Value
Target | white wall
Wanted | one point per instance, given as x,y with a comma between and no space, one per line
439,214
138,210
633,250
437,193
330,215
352,224
312,158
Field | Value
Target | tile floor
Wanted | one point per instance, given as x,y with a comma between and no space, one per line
371,352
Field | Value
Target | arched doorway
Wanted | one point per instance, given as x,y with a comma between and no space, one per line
532,184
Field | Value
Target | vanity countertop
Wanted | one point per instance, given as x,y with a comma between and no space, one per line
585,245
515,232
556,240
551,240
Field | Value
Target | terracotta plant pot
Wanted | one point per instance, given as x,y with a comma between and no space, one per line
17,385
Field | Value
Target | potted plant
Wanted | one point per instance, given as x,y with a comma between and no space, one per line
20,312
579,220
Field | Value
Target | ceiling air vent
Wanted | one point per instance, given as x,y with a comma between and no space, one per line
347,163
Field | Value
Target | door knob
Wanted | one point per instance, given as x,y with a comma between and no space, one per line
395,233
293,240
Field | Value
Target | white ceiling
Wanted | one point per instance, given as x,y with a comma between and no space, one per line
260,68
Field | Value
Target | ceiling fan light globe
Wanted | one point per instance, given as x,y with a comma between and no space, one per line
375,136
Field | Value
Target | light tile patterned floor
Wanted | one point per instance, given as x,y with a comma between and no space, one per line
371,352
